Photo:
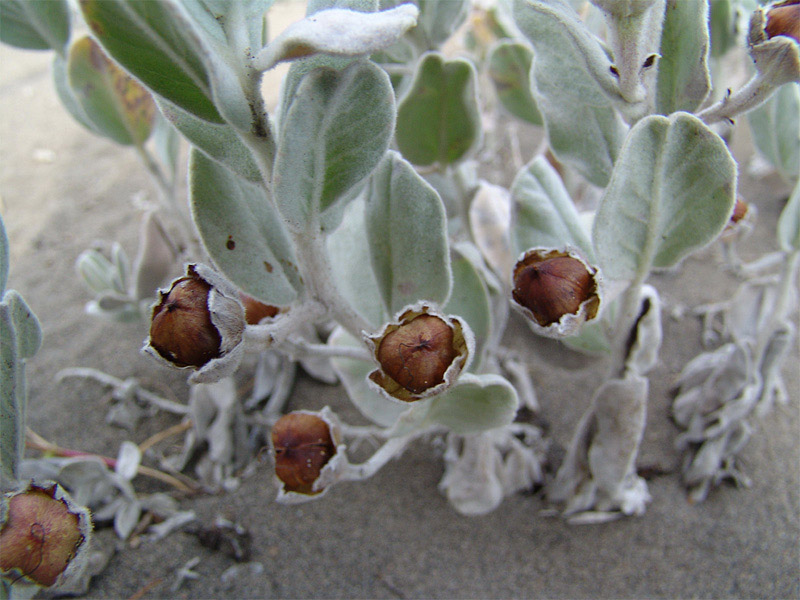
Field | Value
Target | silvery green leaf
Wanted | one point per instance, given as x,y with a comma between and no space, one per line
775,127
167,142
544,214
88,479
160,45
27,331
337,128
349,253
438,21
12,399
353,375
155,259
722,26
672,191
4,262
242,232
509,68
315,6
67,95
469,299
216,140
339,32
116,104
490,223
122,267
573,87
406,228
128,460
35,24
789,222
96,271
474,403
683,77
126,518
438,120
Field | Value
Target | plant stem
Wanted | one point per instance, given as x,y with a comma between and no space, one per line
390,449
37,442
754,93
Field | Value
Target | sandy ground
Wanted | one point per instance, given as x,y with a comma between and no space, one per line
395,535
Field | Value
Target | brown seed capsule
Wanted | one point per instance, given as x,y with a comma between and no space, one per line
739,210
303,445
39,537
255,310
417,354
783,18
552,287
181,330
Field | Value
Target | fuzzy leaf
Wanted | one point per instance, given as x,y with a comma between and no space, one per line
337,128
160,46
722,26
12,399
775,126
349,252
215,140
573,88
242,232
789,223
67,95
438,120
672,191
27,331
339,32
353,375
128,460
683,77
475,403
545,215
35,24
469,299
406,228
438,21
155,259
4,250
118,106
509,68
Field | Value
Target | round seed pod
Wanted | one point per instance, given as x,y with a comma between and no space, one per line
43,535
420,353
557,290
783,18
303,443
255,310
198,323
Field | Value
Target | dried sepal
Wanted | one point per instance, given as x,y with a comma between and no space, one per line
44,536
198,323
556,289
772,42
420,353
309,454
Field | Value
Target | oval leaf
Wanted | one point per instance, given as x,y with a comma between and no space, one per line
217,141
35,24
118,106
242,232
683,78
475,403
545,216
349,251
27,331
573,88
672,191
4,250
159,45
438,120
469,299
407,232
337,128
509,68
